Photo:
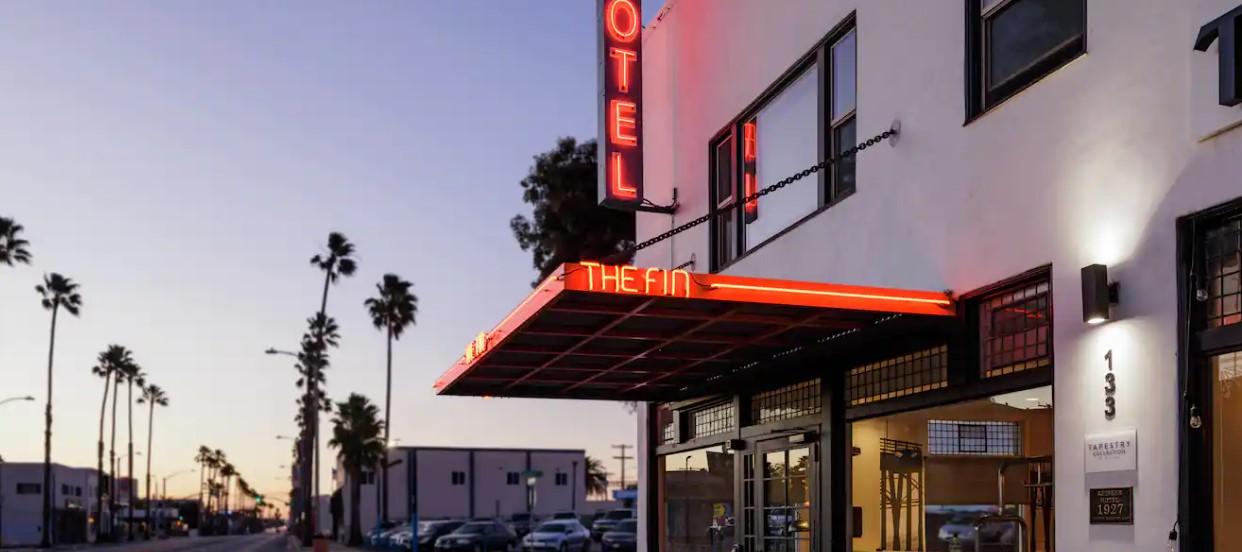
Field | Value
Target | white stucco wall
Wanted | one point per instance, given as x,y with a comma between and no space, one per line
1092,164
438,498
22,522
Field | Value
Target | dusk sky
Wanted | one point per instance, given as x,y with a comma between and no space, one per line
183,161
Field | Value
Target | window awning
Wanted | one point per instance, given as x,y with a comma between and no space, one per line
592,331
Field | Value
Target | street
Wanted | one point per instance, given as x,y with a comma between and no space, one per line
267,542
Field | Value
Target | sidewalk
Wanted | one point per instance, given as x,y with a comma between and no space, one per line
292,543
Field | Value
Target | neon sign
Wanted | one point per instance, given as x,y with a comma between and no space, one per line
750,162
638,281
476,348
620,118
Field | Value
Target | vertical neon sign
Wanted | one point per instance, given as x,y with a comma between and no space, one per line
620,112
750,162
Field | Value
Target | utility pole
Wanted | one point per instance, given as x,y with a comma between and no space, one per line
622,456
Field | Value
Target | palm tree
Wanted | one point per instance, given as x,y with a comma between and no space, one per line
154,396
393,310
596,477
57,292
337,261
219,460
356,433
135,375
109,363
13,249
202,458
117,379
227,471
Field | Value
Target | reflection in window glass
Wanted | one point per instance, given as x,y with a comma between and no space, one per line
1025,31
1227,447
787,137
696,495
844,176
912,498
844,61
786,513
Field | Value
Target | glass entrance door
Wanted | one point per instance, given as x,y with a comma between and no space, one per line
785,496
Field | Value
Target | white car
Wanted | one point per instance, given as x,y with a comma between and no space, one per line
564,535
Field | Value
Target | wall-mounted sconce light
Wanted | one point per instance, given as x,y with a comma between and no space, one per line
1098,294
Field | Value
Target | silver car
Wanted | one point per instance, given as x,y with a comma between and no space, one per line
564,535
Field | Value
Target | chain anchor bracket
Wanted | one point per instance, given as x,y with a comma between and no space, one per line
648,207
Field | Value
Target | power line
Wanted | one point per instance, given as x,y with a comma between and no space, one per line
623,457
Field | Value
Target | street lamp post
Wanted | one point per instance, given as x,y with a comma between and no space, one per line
27,398
164,496
308,492
11,399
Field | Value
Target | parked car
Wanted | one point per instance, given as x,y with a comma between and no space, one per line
478,536
384,540
373,534
521,523
609,520
962,529
428,532
622,538
564,535
565,515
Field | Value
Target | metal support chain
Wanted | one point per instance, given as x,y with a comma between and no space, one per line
824,164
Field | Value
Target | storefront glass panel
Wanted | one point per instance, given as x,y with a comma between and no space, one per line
696,496
1227,448
922,480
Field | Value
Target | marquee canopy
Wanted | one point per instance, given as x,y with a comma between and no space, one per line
592,331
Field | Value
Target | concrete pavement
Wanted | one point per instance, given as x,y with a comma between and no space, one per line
266,542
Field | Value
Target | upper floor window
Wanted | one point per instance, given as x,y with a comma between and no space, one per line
458,478
29,488
562,479
512,478
1223,273
1015,328
807,116
1011,44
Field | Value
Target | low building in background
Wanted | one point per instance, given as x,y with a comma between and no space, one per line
21,503
469,483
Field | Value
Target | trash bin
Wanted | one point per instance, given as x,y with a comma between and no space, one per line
321,544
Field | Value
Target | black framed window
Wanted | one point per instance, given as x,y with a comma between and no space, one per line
712,420
562,479
1011,44
29,488
512,478
458,478
806,116
1015,329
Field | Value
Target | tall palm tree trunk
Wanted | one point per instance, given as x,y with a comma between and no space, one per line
103,413
150,432
312,388
387,415
47,440
355,518
129,527
112,464
202,471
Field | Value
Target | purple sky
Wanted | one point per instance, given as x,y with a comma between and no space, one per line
183,161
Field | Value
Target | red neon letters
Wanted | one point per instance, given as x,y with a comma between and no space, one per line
623,59
750,161
638,281
620,152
